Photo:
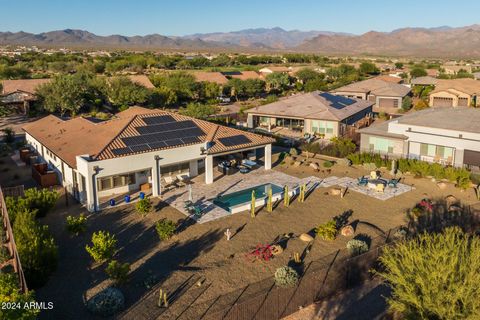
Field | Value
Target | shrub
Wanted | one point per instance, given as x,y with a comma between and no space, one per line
143,206
106,302
262,252
286,277
103,246
77,225
34,200
9,292
165,229
328,164
310,148
9,135
356,247
432,276
339,147
118,272
36,248
327,231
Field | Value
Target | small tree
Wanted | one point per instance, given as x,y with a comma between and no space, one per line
9,135
9,292
36,248
311,147
406,103
117,271
434,276
103,246
165,229
357,246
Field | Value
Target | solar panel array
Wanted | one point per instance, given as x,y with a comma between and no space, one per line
160,132
337,102
234,140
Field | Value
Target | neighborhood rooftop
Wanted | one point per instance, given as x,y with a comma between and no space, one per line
24,85
469,86
136,130
458,119
377,87
314,105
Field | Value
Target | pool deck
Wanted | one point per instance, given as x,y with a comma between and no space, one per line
202,193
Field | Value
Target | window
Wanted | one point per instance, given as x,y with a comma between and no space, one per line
322,127
433,151
382,145
175,169
116,181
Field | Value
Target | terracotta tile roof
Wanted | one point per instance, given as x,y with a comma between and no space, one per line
142,80
25,85
79,136
424,81
216,77
467,85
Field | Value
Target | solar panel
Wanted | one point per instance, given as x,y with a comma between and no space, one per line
173,142
234,140
337,102
158,119
139,148
171,126
190,140
121,151
157,144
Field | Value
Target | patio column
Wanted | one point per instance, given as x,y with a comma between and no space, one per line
193,168
268,157
156,190
209,169
92,191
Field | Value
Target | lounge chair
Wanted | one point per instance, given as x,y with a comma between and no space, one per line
170,180
195,210
362,181
393,183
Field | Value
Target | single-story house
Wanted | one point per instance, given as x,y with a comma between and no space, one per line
424,81
455,93
141,80
476,75
268,70
389,78
204,76
18,94
446,135
386,96
454,69
311,113
136,150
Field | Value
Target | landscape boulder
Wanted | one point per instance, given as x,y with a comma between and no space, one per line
347,231
442,185
276,249
335,191
315,166
305,237
297,163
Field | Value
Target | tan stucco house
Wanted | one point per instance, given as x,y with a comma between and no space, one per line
455,93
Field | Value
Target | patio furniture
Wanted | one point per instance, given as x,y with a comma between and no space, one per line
195,210
249,163
374,175
187,204
111,202
380,187
169,180
244,170
362,181
393,183
145,187
141,195
374,183
127,198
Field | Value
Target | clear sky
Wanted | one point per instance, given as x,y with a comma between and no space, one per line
180,17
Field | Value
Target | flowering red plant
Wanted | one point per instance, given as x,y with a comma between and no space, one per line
426,205
261,252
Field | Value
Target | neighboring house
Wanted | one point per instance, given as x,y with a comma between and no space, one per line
432,72
19,94
424,81
137,149
315,112
447,136
389,78
268,70
455,93
453,70
216,77
386,96
476,75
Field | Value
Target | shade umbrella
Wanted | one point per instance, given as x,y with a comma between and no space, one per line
190,194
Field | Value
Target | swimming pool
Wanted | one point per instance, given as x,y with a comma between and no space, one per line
233,201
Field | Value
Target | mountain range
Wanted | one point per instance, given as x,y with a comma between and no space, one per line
441,41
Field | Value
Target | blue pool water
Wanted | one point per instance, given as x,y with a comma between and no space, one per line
245,196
